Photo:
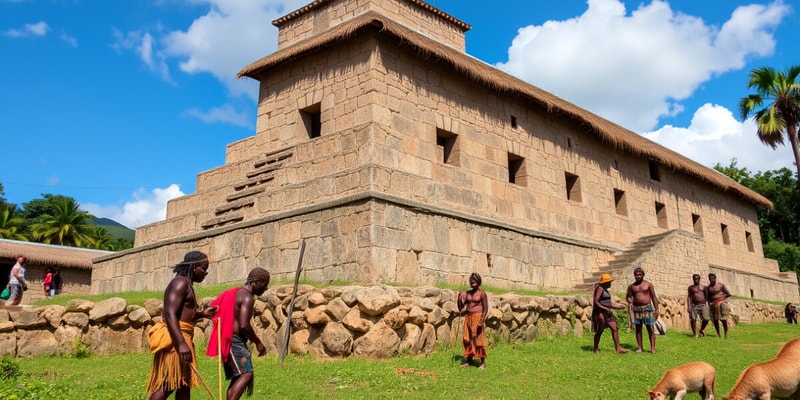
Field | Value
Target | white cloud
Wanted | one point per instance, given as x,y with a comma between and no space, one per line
29,30
716,136
667,53
144,208
226,114
141,43
70,40
231,35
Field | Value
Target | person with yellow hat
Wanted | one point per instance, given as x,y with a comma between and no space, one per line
603,314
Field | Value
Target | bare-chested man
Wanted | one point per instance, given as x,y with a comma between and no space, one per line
171,338
643,305
717,295
233,328
696,306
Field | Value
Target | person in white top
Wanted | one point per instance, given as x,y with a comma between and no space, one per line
16,281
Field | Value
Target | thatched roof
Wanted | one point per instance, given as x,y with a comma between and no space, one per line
617,137
50,255
419,3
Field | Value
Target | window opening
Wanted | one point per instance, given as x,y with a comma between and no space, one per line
661,215
620,203
725,237
448,146
312,119
654,172
697,224
573,187
516,170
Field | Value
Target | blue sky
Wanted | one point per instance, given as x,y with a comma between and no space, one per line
120,104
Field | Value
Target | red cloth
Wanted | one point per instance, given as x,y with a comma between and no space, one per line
224,317
48,279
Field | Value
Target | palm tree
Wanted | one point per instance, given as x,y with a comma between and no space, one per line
775,107
100,239
64,224
10,223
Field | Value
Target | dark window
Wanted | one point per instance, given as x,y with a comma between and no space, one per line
697,224
654,173
661,215
516,170
573,187
514,122
312,120
448,146
726,239
620,204
749,238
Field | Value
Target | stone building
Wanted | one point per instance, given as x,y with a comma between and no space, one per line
399,158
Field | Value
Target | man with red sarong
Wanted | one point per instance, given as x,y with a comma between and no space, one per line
233,328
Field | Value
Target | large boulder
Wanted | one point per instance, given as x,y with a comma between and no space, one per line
107,308
377,300
338,341
380,342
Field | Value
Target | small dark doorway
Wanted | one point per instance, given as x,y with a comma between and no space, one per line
5,269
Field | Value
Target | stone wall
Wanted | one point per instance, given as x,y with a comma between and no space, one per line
377,321
299,26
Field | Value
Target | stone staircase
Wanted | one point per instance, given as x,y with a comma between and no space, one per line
621,262
245,191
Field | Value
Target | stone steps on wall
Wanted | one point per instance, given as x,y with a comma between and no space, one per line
244,191
617,266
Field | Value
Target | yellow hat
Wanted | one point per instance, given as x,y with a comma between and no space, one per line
605,278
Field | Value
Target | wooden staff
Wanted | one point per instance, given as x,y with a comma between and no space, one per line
286,332
200,378
219,356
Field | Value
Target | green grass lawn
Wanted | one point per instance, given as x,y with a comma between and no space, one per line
548,368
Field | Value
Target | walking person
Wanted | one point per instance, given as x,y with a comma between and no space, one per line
474,305
717,295
603,314
171,338
643,304
232,325
16,281
696,306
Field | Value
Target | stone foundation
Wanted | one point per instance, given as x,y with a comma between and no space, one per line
335,322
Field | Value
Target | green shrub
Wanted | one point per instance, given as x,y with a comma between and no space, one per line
9,368
79,348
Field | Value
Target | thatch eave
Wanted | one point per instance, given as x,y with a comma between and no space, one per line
419,3
616,136
50,255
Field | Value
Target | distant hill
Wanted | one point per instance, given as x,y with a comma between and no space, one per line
114,228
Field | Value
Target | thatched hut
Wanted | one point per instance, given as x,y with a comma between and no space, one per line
74,264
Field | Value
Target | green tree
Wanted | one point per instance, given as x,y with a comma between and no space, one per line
64,224
36,208
787,254
780,187
780,226
3,201
775,107
10,223
100,239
